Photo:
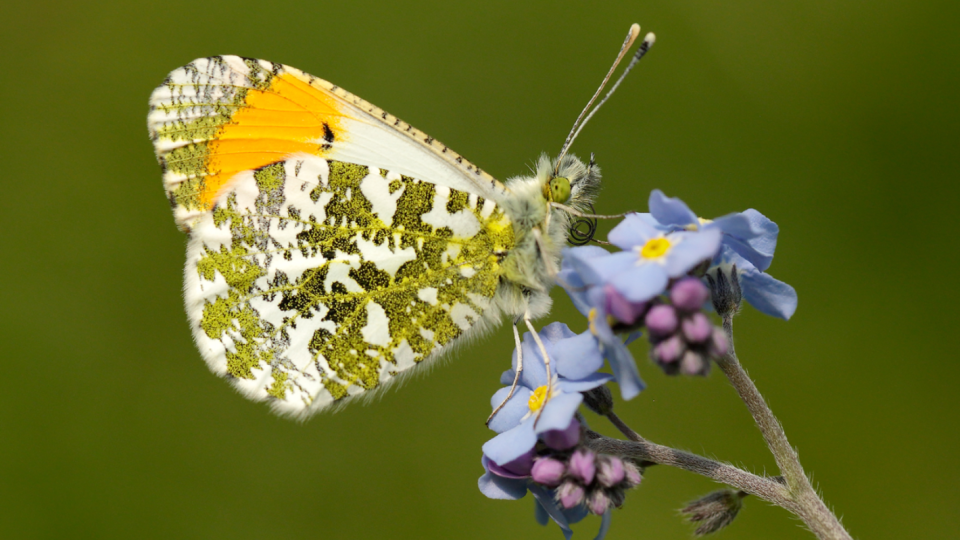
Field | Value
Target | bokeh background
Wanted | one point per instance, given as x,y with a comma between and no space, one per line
837,119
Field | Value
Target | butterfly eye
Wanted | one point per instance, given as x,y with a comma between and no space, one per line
557,190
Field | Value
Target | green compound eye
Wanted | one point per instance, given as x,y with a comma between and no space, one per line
558,189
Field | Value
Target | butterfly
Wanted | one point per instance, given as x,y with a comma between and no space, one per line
332,247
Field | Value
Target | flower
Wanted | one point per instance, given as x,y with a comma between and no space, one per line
615,290
748,243
649,260
538,406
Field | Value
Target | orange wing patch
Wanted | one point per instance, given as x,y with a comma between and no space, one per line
212,120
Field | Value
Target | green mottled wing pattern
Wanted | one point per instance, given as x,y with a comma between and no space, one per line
313,280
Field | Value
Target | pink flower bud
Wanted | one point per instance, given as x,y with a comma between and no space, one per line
632,474
548,471
661,320
689,294
582,466
668,351
610,471
694,363
563,439
719,346
697,328
570,494
598,502
622,309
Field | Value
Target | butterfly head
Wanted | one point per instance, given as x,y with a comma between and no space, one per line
574,184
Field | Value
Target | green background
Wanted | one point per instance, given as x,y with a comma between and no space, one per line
837,119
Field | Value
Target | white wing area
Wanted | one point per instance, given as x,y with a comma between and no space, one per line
272,269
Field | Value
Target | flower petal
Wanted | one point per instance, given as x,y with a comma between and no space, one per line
546,500
556,331
751,234
513,410
770,296
586,383
540,513
670,211
633,231
577,357
534,374
597,271
496,487
641,283
690,250
604,526
557,413
624,368
511,444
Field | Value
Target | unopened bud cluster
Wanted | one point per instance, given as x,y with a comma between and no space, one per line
682,337
583,477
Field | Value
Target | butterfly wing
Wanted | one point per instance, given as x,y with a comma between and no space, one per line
216,117
313,276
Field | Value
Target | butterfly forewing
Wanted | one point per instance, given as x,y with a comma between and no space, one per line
332,246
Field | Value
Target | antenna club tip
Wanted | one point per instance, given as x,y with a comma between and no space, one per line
650,38
634,30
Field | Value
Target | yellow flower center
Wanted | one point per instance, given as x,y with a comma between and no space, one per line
590,317
655,248
537,398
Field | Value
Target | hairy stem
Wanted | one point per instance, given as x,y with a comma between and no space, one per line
767,489
808,505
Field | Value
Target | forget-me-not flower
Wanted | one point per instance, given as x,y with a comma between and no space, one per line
748,242
539,406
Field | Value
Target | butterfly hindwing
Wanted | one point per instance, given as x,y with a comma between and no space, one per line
314,280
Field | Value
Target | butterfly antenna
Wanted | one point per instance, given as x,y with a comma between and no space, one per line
582,120
648,42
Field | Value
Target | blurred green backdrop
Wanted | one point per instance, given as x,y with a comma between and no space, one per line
837,119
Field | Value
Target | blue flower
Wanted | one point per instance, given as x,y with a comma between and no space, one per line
650,258
536,408
749,240
606,285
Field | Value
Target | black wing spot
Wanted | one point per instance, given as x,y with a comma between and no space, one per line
327,136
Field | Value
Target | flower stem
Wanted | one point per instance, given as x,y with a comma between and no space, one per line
809,507
767,489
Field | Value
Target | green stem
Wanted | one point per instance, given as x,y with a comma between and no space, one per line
809,507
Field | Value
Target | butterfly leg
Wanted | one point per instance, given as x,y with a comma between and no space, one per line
546,363
549,263
516,377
